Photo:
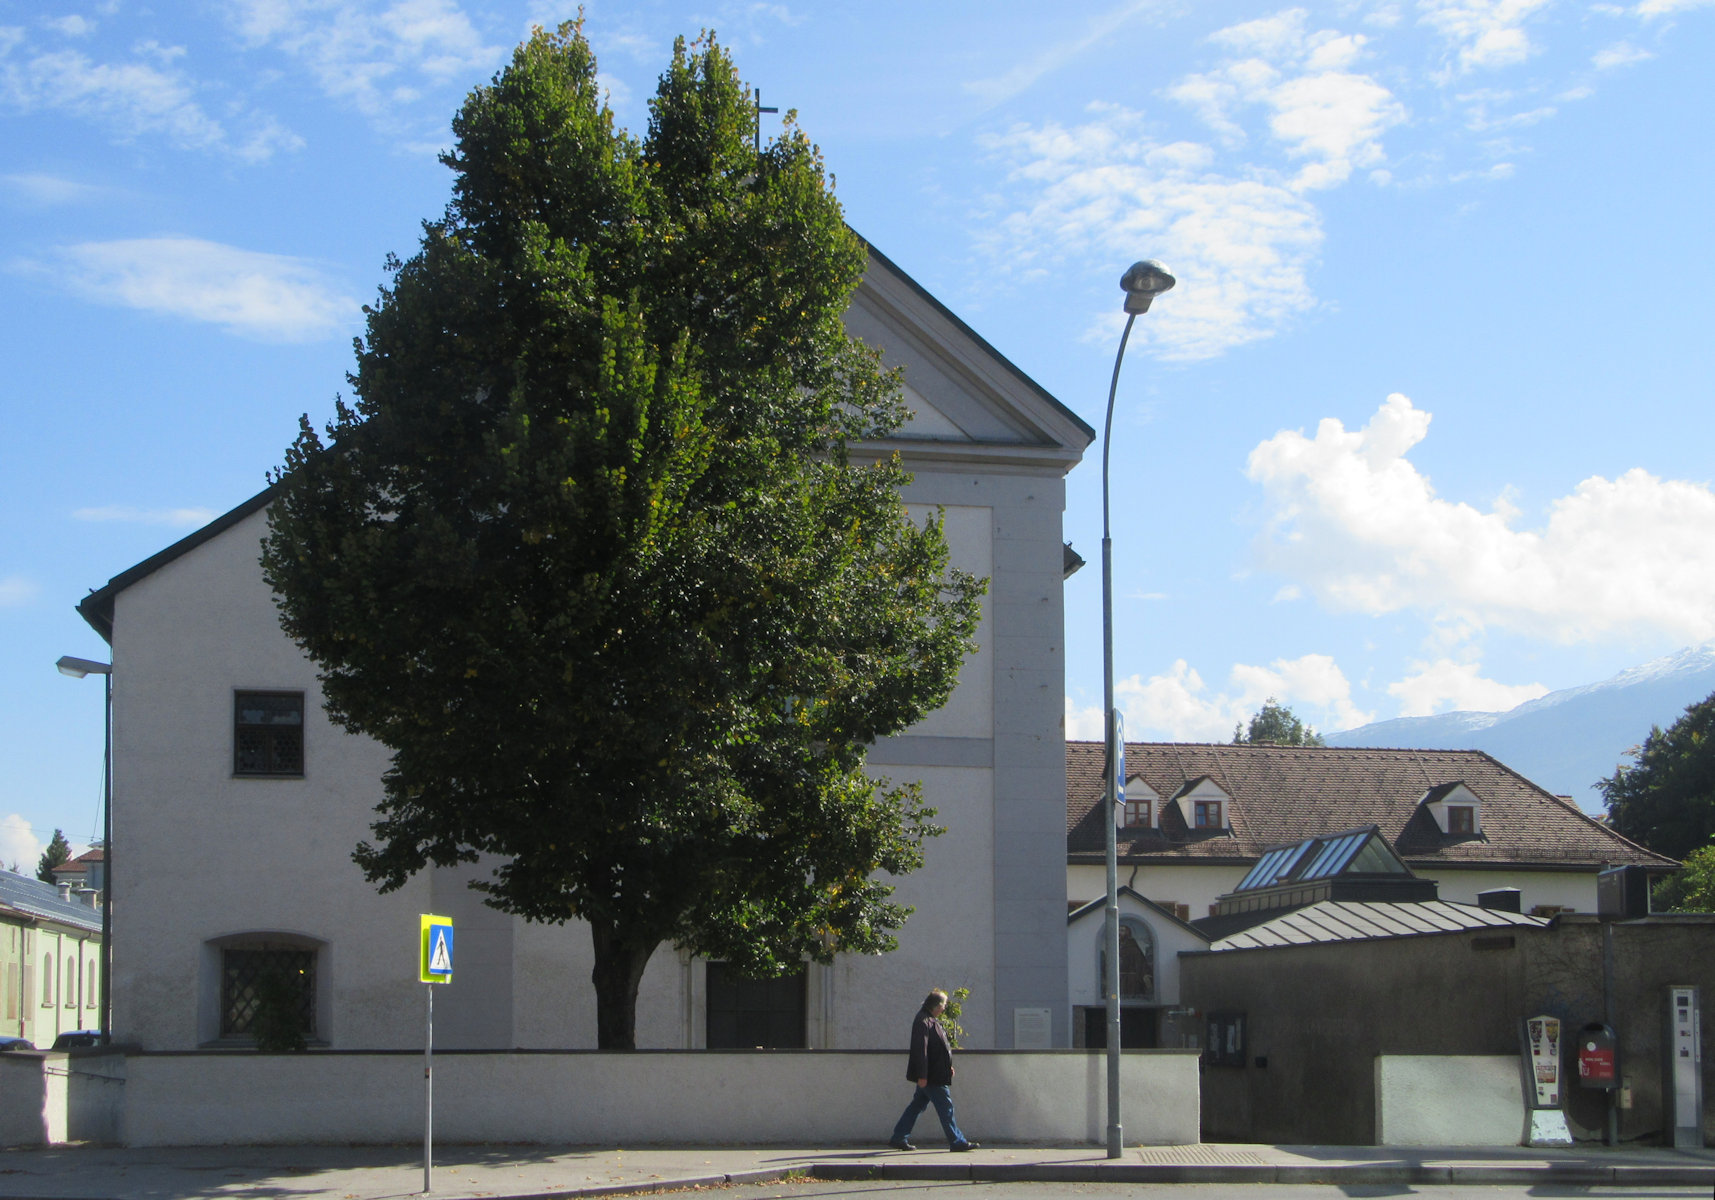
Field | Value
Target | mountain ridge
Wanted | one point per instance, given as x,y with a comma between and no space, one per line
1569,739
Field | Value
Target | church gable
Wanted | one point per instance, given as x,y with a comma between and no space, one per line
967,400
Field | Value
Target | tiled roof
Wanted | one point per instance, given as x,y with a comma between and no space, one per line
80,864
1363,920
33,898
1283,794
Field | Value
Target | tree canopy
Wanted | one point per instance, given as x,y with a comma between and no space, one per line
1276,724
57,852
1691,888
590,555
1665,799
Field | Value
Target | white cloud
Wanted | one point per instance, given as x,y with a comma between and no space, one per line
1319,108
71,26
1240,247
17,591
1483,34
1446,685
269,297
19,844
376,57
49,190
1178,706
134,99
1620,54
146,516
1666,8
1355,523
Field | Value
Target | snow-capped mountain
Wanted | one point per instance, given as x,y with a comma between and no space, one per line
1567,740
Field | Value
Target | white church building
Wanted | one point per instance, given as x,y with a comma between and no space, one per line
236,803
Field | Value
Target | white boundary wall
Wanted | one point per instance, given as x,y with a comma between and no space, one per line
593,1098
1448,1100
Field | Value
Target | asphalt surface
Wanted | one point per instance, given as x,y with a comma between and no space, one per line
531,1172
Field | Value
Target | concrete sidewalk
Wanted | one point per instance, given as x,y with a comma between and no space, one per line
528,1172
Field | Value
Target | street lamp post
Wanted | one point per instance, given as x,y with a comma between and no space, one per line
1142,283
77,668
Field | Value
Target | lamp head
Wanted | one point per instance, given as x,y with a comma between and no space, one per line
77,668
1143,282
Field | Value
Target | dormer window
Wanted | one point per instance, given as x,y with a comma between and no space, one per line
1139,810
1455,808
1202,805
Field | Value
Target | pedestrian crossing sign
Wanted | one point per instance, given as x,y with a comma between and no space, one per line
435,950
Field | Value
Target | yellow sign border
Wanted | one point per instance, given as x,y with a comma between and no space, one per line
429,922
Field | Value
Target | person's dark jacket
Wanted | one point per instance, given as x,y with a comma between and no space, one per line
931,1053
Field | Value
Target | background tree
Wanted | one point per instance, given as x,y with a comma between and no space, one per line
1276,724
589,554
1665,799
58,851
1689,889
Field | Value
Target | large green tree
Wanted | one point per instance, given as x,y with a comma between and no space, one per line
1276,724
589,553
1665,799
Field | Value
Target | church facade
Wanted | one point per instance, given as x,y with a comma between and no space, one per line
237,803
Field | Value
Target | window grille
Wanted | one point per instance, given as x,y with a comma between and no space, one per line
247,973
268,733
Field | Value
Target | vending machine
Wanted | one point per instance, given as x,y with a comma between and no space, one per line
1682,1073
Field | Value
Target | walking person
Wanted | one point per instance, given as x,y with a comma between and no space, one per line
931,1069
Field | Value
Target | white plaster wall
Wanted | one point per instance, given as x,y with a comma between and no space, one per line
23,1098
595,1099
213,855
1571,889
209,854
1448,1100
969,712
1197,887
948,941
1083,954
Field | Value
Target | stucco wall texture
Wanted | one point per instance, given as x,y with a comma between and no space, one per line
712,1098
1318,1016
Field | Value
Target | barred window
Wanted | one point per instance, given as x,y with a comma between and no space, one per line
268,733
279,978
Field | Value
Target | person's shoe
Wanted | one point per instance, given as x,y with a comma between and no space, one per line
902,1144
962,1147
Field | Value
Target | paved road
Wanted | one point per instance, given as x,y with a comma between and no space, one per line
1211,1172
807,1189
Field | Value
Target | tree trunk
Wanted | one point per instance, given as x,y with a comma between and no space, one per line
619,963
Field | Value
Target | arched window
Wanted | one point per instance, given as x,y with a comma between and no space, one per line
47,980
1137,962
68,985
92,983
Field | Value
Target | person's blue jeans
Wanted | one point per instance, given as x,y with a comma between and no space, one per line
941,1096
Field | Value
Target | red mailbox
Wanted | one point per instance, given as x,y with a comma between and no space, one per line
1598,1058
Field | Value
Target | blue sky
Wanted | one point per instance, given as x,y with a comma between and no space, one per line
1426,424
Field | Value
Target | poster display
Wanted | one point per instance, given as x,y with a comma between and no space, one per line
1543,1037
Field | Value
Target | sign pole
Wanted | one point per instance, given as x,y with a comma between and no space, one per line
429,1090
434,966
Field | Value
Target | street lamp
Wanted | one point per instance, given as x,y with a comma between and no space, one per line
77,668
1142,283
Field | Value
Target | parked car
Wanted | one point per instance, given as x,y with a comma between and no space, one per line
77,1039
15,1043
